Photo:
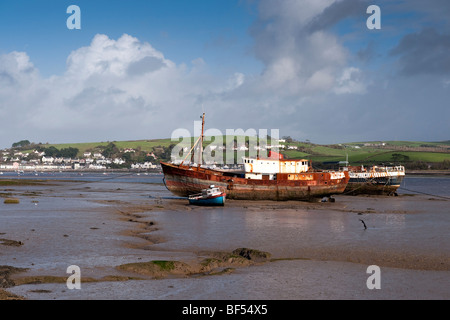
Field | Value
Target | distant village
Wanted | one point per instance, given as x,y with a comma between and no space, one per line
26,156
14,160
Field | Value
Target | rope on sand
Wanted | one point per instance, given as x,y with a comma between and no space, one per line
428,194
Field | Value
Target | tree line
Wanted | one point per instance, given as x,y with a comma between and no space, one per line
62,153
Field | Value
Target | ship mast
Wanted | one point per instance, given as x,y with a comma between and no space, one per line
200,154
191,152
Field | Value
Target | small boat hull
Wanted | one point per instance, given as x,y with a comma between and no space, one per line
212,201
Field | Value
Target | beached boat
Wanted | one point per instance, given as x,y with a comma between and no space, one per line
271,178
212,196
381,180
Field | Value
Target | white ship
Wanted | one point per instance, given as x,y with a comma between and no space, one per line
374,180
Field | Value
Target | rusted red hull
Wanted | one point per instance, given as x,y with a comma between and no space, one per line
356,188
184,181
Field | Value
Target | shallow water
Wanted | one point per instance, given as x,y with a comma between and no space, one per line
77,223
433,186
287,233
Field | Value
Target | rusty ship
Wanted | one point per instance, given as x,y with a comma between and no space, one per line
270,178
377,180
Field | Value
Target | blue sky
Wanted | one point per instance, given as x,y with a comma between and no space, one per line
142,69
212,29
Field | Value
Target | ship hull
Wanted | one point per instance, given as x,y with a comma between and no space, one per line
375,184
184,181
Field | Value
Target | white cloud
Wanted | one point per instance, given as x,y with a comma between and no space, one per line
309,88
350,82
118,89
321,80
111,57
236,81
16,69
297,61
112,89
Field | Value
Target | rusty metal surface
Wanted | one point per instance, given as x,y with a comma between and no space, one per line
184,180
356,188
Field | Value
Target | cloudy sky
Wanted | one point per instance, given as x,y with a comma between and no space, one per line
142,69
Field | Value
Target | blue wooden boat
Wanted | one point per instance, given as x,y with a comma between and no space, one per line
208,197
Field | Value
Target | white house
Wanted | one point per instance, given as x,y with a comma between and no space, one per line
47,159
145,165
118,161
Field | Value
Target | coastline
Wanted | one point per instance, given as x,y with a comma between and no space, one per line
428,172
84,170
158,171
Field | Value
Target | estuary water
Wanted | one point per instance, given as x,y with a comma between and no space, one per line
320,250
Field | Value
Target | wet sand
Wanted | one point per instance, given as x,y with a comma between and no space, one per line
137,241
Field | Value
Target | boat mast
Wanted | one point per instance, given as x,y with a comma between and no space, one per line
191,152
200,154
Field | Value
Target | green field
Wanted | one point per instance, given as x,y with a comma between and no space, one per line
413,156
357,152
144,145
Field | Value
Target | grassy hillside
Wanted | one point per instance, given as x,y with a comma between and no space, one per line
357,152
145,145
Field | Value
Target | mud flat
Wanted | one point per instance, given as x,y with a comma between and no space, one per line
137,241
